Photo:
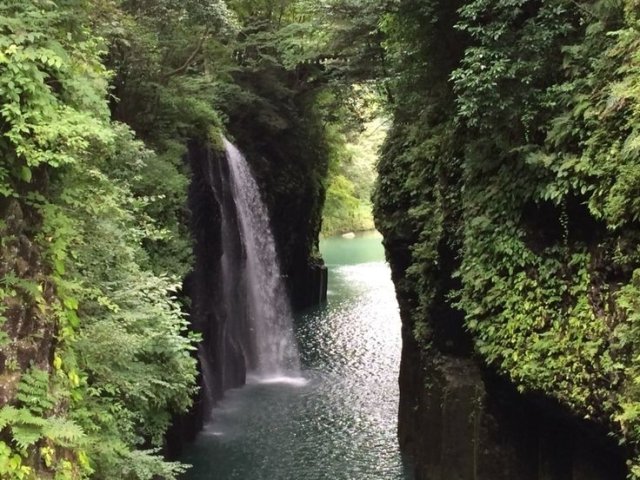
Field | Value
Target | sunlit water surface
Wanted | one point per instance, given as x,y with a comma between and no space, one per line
337,420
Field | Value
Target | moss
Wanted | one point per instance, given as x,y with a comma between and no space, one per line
214,138
501,198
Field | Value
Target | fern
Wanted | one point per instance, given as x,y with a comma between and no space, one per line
63,432
33,391
29,423
24,436
26,428
8,415
146,464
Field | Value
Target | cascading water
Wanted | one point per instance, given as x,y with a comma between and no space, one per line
256,308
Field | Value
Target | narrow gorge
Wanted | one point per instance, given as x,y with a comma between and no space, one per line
190,286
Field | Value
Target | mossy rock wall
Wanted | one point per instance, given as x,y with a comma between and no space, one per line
507,199
289,157
28,328
459,418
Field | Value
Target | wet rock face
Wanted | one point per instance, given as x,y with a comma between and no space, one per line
221,357
307,280
28,328
459,422
202,287
309,286
289,166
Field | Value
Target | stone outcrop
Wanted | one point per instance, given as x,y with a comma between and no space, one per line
27,324
460,422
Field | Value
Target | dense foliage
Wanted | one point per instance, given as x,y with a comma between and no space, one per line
119,362
509,186
348,206
508,192
98,102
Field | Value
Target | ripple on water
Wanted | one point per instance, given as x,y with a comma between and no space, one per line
334,421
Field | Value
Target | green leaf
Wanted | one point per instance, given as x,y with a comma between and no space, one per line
25,174
73,319
59,266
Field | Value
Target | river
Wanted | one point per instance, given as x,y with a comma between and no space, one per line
337,422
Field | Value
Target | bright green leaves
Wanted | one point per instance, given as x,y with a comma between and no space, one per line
32,423
517,162
351,176
503,79
12,465
25,174
46,83
127,356
81,214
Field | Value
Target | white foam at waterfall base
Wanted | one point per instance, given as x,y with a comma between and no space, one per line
268,310
294,381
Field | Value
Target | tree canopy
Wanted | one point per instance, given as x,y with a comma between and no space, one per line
508,185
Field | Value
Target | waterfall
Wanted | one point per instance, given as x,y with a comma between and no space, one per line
256,310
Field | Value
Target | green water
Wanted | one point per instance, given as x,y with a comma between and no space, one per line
337,422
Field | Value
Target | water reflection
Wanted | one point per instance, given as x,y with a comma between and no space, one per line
339,423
